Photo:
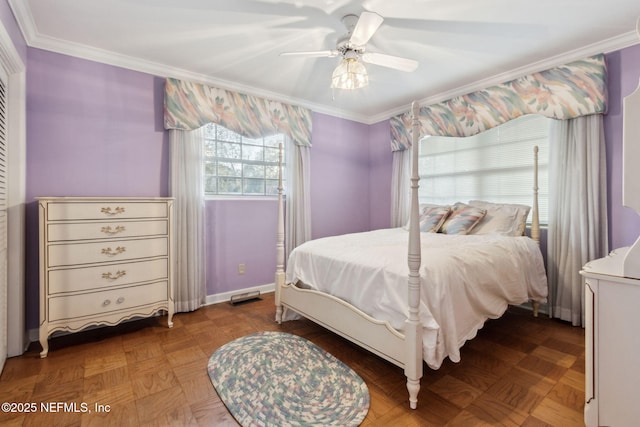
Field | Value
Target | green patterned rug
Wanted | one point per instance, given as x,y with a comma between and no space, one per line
280,379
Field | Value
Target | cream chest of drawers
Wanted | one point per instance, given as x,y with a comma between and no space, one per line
103,261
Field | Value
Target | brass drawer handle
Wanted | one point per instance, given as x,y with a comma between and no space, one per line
116,276
112,232
111,252
109,212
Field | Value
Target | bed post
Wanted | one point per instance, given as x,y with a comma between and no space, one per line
535,217
279,279
413,329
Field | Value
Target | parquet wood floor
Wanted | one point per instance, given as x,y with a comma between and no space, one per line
518,371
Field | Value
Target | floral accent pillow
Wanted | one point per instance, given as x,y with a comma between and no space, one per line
462,219
432,218
429,208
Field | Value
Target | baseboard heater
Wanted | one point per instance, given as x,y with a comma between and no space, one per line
244,297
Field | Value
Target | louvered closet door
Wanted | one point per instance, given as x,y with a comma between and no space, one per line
3,221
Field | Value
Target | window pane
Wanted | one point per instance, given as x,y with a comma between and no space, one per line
209,148
229,169
254,186
253,171
272,187
252,152
271,172
210,184
227,150
210,168
227,135
210,131
229,185
252,141
271,155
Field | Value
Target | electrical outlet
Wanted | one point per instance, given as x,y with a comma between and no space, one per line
241,268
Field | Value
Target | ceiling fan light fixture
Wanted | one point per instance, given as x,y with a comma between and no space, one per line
350,74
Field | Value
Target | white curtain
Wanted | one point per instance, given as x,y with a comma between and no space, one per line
298,202
400,187
186,186
577,210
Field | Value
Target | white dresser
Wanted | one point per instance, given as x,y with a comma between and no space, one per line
103,261
612,304
612,343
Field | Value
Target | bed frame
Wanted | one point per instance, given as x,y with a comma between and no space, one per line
401,349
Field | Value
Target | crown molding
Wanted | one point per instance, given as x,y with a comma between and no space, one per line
9,56
24,17
34,39
163,70
605,46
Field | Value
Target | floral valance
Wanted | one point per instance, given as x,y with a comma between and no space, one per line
573,90
189,105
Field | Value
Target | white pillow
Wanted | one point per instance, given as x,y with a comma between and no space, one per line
501,218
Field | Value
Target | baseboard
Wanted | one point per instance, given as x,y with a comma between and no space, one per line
226,296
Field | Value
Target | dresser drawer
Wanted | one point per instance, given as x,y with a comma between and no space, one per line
105,276
105,230
97,303
59,211
116,250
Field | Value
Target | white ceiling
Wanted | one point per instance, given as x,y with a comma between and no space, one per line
461,45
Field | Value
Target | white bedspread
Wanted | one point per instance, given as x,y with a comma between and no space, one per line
465,280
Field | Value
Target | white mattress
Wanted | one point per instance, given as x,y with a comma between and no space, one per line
465,280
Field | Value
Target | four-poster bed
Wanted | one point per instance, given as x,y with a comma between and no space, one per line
568,91
430,316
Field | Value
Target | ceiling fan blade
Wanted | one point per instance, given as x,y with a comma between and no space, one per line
366,26
395,62
313,54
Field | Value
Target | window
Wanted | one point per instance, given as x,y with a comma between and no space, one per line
238,166
496,165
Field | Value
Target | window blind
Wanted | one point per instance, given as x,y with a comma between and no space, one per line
495,165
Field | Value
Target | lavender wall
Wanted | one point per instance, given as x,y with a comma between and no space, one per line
623,71
93,130
339,176
380,161
96,130
240,232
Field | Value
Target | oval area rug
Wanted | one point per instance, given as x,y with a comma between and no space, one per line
280,379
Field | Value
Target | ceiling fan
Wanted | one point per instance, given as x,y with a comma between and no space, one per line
351,73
